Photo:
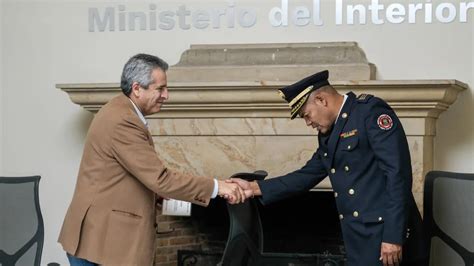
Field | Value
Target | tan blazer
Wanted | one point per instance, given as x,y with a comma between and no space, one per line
111,219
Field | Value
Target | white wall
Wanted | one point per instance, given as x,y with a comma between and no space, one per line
454,143
46,43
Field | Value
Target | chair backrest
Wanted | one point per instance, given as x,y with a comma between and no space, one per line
21,222
449,218
244,243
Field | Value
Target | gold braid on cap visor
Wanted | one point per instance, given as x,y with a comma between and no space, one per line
300,95
298,106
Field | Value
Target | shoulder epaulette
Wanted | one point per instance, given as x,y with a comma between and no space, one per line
363,98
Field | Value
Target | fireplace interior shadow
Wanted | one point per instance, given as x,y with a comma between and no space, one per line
307,223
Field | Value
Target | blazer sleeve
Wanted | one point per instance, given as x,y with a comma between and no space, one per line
296,182
133,151
389,143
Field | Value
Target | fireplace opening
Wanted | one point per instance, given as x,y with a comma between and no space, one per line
307,223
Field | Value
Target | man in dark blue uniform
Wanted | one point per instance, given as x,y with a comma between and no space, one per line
364,150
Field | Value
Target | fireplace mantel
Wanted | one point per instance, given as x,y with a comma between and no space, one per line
410,98
224,117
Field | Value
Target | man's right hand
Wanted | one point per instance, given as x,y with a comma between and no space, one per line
250,188
232,192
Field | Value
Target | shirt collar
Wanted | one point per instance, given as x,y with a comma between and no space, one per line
140,115
340,109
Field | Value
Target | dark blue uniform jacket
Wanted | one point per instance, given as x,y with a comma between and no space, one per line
367,159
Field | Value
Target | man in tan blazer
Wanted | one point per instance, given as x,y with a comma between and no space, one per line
111,219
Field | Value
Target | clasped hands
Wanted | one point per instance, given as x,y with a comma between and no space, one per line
236,190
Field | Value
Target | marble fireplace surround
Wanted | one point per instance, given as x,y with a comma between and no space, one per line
225,116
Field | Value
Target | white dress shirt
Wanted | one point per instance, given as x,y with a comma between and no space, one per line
340,109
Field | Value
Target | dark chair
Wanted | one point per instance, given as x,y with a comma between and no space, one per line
449,218
21,223
245,245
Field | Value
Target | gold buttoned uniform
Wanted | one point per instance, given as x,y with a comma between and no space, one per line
366,133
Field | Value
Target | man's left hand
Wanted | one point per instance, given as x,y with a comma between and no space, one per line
159,201
391,254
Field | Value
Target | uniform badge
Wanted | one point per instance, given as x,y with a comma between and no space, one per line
348,134
385,122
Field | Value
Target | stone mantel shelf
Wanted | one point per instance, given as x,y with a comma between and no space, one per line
409,98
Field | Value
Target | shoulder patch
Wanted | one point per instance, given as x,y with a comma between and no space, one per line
363,98
385,122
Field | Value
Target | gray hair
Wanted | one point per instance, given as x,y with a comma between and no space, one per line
138,69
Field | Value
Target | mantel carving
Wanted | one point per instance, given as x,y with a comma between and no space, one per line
410,98
225,116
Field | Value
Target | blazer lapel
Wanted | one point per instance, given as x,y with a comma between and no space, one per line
341,121
131,108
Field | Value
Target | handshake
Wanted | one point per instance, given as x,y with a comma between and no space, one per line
241,186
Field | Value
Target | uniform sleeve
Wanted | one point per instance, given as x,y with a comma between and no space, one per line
132,150
296,182
388,141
